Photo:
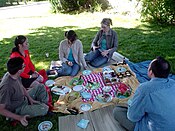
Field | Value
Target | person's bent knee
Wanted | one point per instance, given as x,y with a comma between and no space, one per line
44,110
33,110
86,58
74,73
67,72
116,113
119,112
96,65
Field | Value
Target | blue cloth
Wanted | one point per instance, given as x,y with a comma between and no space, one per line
153,106
140,69
70,56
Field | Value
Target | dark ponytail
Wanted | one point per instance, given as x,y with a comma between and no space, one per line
18,40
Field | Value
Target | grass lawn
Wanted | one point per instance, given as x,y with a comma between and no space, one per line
138,41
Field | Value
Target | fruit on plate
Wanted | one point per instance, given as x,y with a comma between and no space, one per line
124,90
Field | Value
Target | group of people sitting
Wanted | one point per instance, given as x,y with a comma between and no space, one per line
71,50
23,93
22,90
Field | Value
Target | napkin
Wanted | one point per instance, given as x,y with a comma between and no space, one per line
83,123
86,95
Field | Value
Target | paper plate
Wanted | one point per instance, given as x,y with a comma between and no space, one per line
45,126
86,95
103,98
78,88
75,81
120,69
107,68
107,88
49,83
85,107
61,90
87,72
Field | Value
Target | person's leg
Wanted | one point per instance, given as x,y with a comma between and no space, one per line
98,61
92,55
75,69
120,115
33,84
39,93
36,109
32,110
65,70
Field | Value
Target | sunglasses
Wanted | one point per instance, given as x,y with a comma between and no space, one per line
104,26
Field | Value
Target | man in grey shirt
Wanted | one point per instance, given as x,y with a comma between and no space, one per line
15,101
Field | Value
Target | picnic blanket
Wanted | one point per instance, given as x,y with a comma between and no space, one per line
65,103
140,69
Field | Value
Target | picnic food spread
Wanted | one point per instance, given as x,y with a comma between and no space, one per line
91,90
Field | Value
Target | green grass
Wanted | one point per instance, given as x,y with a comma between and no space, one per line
138,44
137,41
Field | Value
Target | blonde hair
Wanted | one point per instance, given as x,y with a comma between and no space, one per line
106,21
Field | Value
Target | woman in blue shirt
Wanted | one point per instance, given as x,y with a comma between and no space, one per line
103,46
71,55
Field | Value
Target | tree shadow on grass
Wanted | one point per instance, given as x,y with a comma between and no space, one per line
138,44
